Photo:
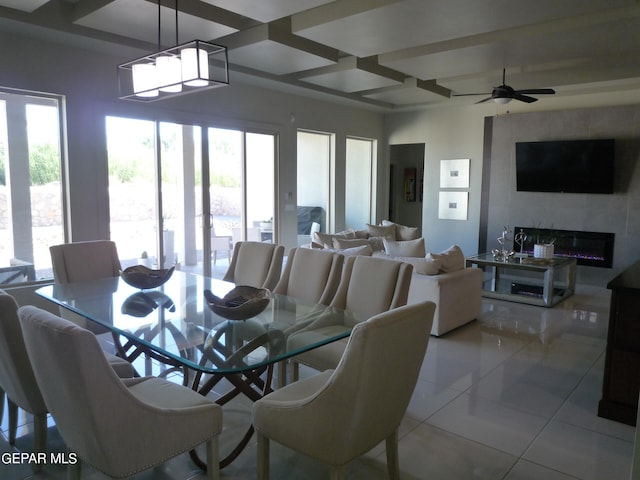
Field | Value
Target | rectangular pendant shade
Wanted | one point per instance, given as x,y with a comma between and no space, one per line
191,67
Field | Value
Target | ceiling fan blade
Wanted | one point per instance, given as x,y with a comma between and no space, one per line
524,98
538,91
484,100
469,94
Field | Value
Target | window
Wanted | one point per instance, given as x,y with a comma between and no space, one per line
359,170
31,195
314,181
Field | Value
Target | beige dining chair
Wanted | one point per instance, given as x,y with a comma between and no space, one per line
311,275
368,286
338,415
17,378
255,264
154,421
81,261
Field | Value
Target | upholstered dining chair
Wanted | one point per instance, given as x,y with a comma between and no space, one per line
368,286
341,414
17,378
80,261
311,275
255,264
83,261
154,421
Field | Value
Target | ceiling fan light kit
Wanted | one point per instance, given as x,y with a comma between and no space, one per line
187,68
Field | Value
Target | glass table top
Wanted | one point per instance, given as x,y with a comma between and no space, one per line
174,321
529,263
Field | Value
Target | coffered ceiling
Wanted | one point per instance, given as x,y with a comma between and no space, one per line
386,53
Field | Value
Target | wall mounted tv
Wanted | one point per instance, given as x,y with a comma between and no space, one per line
570,166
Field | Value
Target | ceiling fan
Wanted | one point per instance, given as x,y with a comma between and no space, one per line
504,93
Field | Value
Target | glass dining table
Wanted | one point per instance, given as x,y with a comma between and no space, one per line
173,325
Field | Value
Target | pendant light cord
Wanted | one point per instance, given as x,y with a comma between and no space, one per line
160,24
177,22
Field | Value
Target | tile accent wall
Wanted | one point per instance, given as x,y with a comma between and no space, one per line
618,213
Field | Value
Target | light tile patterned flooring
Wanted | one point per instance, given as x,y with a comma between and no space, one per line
512,396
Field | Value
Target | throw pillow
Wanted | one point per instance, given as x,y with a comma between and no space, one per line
363,250
349,242
452,259
429,266
376,243
404,232
326,239
388,231
405,248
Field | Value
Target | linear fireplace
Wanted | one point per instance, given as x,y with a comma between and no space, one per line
594,249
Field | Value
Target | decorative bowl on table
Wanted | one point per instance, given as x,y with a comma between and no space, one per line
144,278
241,303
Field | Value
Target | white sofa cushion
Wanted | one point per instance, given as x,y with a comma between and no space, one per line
388,231
349,242
326,239
404,232
405,248
452,259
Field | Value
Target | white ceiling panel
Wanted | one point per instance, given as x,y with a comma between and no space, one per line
418,22
408,93
23,5
267,11
353,80
139,20
275,58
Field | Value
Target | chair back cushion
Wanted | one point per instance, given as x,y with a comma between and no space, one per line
371,285
16,375
256,264
81,261
311,275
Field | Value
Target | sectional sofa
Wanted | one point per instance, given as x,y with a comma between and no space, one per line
440,277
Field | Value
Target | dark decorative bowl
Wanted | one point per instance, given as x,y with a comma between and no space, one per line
241,303
144,278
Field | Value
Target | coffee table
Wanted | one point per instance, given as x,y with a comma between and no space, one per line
536,281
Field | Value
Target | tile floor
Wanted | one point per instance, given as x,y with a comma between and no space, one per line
512,396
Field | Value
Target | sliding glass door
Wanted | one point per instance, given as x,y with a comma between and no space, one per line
190,197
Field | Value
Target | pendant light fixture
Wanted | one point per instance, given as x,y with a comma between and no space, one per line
187,68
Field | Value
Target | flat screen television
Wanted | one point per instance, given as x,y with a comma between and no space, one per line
570,166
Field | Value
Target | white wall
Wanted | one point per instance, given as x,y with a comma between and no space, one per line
88,81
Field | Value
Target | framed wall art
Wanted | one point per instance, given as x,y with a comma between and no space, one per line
453,205
454,173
